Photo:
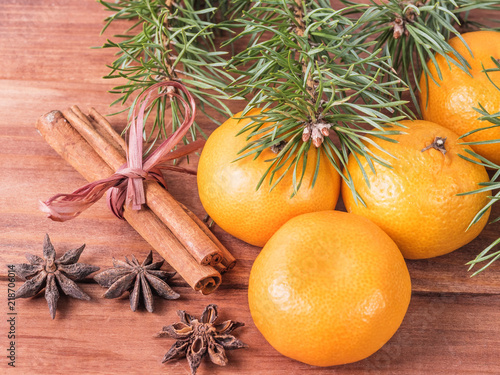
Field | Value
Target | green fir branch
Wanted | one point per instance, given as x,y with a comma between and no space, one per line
312,76
169,40
412,32
493,121
494,186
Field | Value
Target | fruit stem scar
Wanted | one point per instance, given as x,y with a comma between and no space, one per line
437,144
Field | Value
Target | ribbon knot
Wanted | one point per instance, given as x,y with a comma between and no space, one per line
118,196
126,185
133,173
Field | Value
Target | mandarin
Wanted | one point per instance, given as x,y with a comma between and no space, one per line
415,202
227,188
329,288
451,104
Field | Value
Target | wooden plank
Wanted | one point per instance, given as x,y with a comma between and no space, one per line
441,334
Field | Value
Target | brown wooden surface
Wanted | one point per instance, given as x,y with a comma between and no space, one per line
452,325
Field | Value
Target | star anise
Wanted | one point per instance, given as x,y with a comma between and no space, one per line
195,338
134,277
51,273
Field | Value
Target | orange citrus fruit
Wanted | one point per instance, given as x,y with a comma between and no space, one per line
227,188
329,288
452,103
415,202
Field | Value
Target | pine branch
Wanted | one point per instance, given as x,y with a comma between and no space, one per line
412,32
492,120
312,77
493,185
300,29
168,40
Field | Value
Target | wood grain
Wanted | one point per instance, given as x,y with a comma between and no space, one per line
47,63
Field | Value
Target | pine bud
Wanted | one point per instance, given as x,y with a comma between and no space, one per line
317,138
306,134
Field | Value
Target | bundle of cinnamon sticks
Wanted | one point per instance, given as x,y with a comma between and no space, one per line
96,151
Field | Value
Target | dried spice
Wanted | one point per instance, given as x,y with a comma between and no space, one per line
195,338
50,273
135,277
87,143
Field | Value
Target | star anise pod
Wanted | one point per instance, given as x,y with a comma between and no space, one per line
50,273
195,338
135,277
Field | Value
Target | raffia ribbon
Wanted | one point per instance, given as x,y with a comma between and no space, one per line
126,185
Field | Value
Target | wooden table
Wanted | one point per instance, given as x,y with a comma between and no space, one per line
452,325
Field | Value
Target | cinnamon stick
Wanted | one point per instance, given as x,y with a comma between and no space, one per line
67,142
160,201
104,128
228,260
99,123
